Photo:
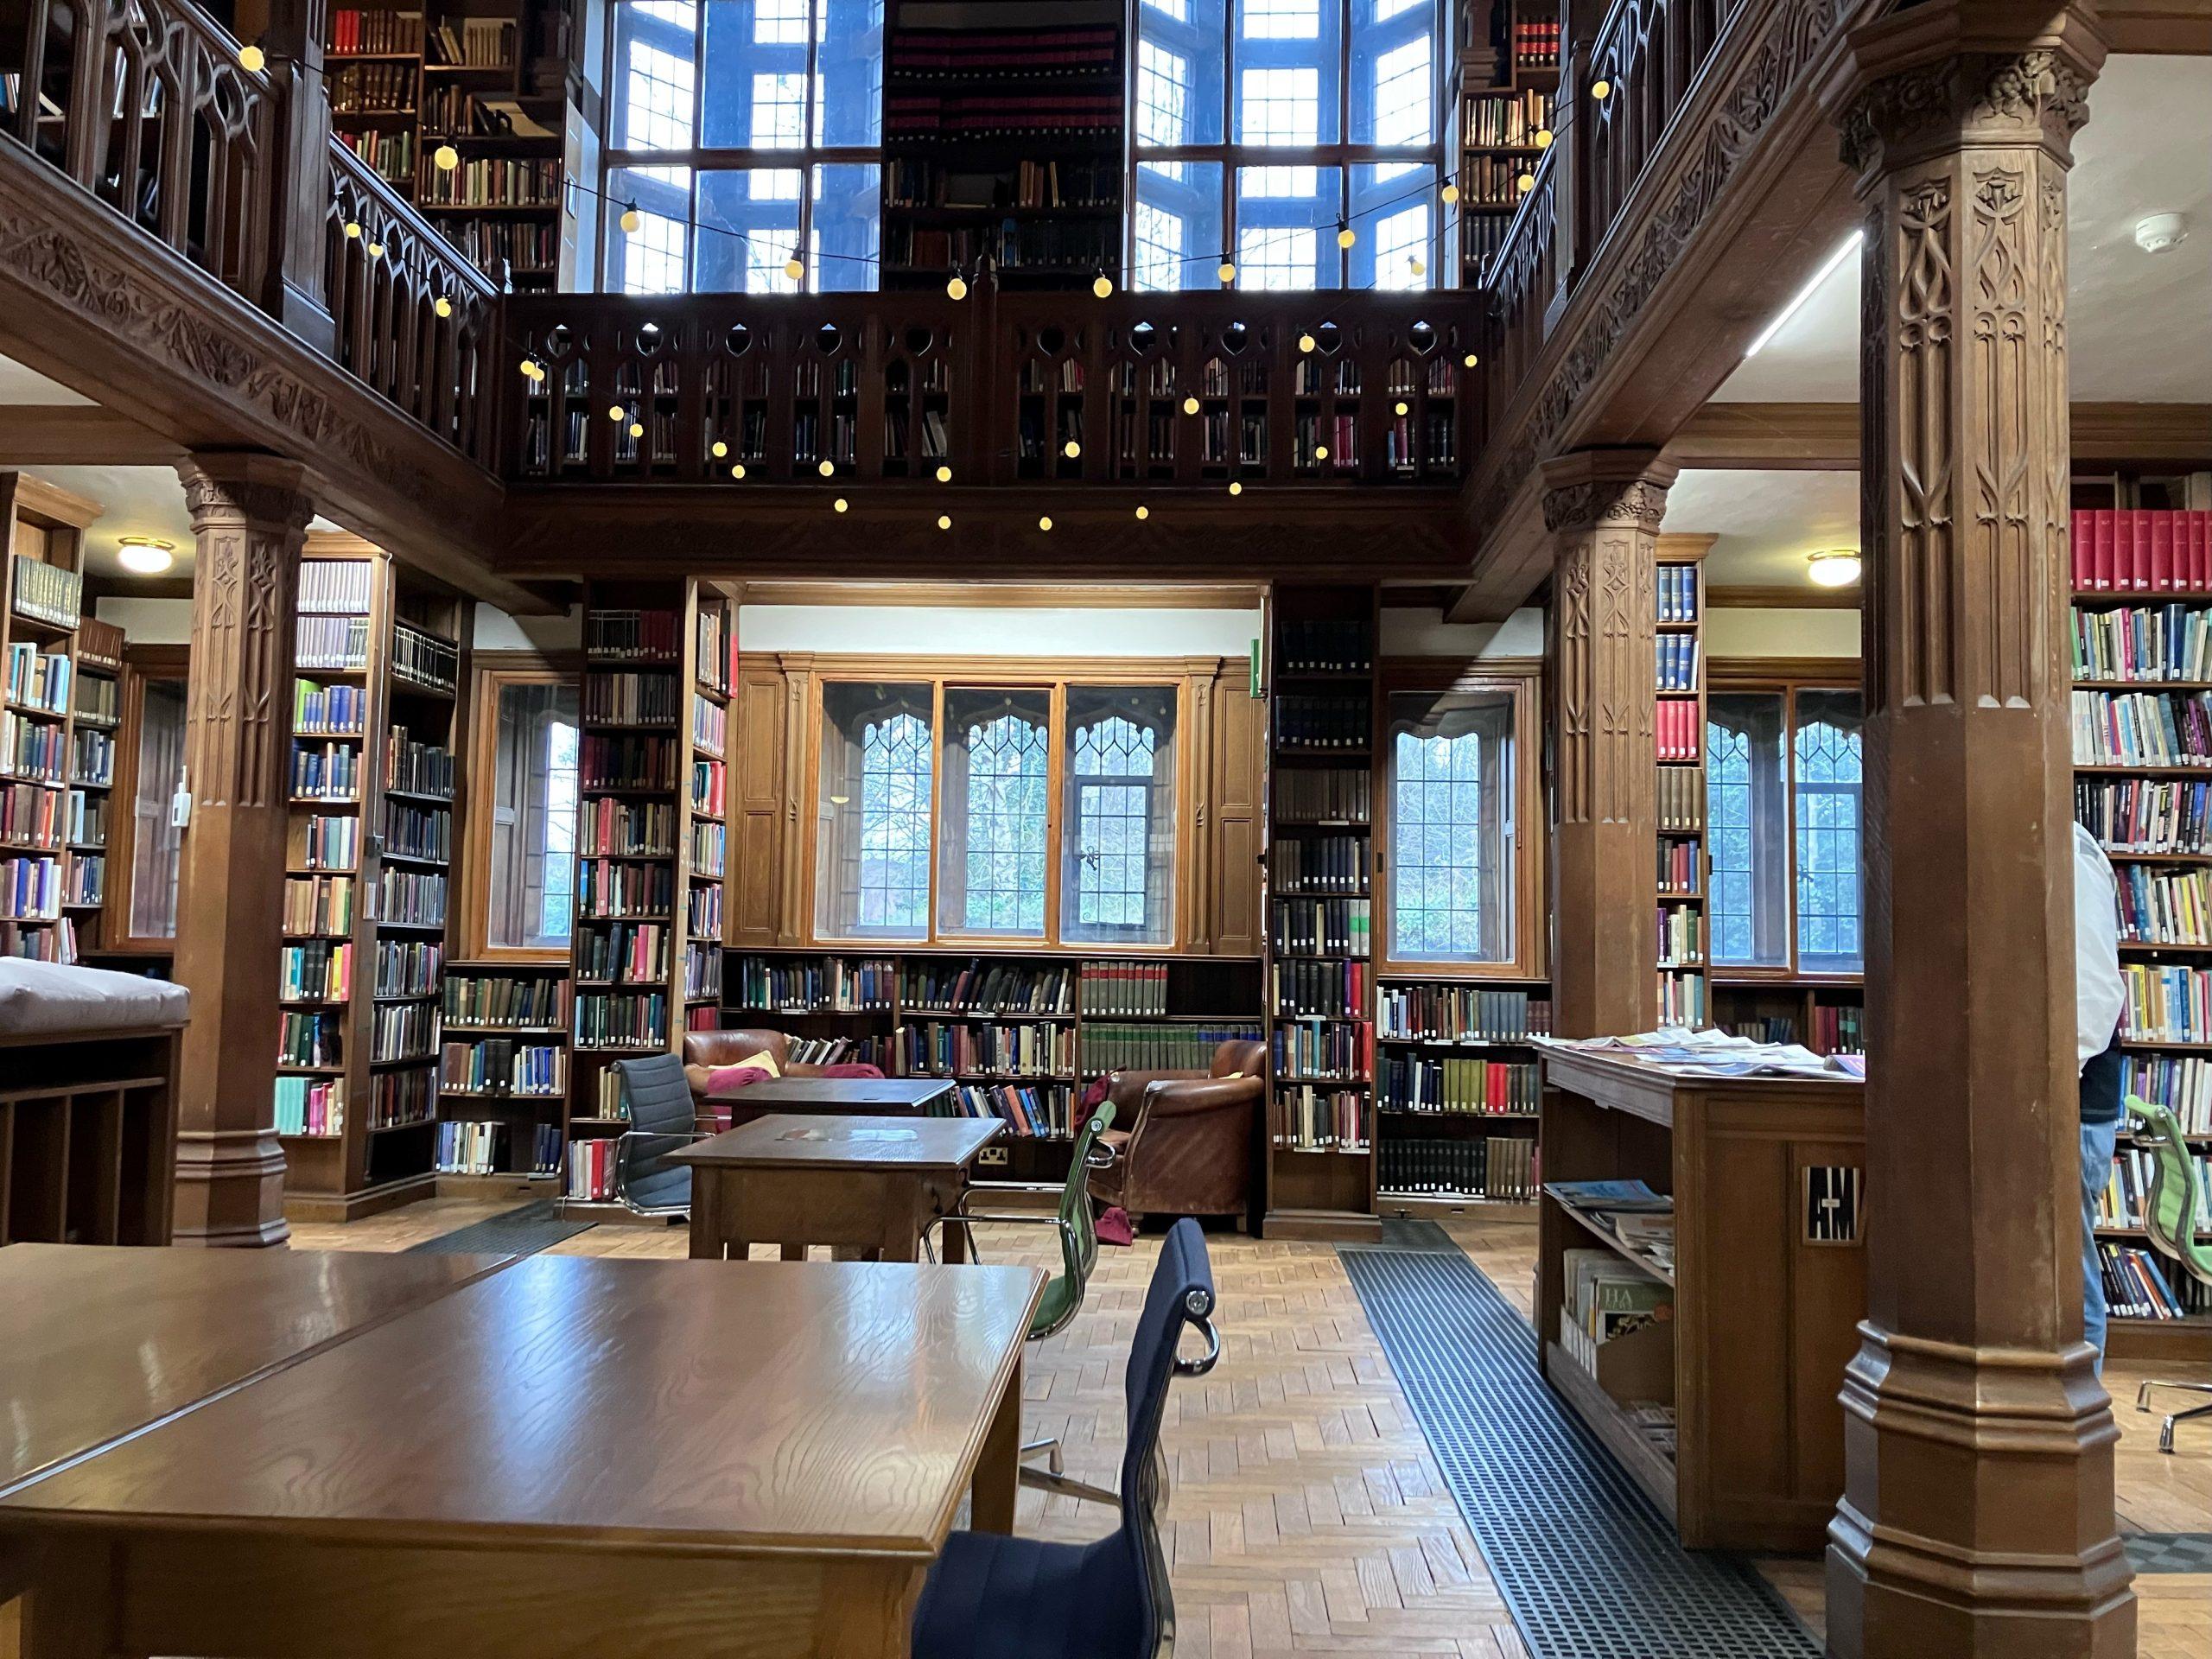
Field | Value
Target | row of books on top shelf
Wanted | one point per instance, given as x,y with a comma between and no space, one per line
1313,927
354,31
711,642
1438,1013
311,1106
336,587
1677,597
1678,730
1325,645
1311,722
1507,120
1319,989
1680,873
1682,1000
2138,1286
1680,800
2165,907
936,1048
38,677
331,642
1013,244
420,657
478,42
1335,796
2144,642
914,181
475,1148
1415,1082
1030,1110
2142,729
1113,1047
815,984
2138,550
503,1065
636,636
1536,42
1314,1117
1677,659
2128,1186
47,592
1681,937
974,54
2181,1082
1498,1167
2146,815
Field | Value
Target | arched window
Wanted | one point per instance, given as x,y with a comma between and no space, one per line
1450,872
1119,847
1830,935
872,873
1264,125
998,783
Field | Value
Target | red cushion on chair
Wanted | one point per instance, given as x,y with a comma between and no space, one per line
851,1068
1114,1226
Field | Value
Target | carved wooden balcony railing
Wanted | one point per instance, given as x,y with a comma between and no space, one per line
144,103
417,322
1186,389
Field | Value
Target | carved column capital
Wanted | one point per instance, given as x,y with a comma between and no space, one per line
242,487
1938,77
1593,488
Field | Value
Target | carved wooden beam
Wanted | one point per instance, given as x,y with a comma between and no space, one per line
80,435
1824,437
2167,26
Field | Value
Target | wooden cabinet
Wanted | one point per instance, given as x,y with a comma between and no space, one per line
1770,1279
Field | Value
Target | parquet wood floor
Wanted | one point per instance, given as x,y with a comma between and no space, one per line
1306,1515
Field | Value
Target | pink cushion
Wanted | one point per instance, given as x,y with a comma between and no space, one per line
729,1079
851,1068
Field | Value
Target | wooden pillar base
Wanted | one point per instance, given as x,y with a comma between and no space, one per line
230,1187
2009,1449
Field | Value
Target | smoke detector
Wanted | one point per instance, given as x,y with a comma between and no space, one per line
2160,232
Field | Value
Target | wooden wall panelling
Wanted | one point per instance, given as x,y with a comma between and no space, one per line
802,719
1239,735
757,784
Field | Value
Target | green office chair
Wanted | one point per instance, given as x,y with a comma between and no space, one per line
2170,1213
1062,1298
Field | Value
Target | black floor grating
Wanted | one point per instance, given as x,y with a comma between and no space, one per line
523,1231
1589,1569
2169,1552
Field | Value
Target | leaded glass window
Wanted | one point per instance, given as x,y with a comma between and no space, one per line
996,811
872,876
1449,870
1830,937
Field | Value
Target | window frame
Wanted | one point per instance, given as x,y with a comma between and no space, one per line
1786,678
1009,674
1346,157
1523,682
494,673
806,159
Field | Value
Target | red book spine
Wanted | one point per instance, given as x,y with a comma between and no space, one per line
2079,532
2108,535
2200,549
2138,557
2162,551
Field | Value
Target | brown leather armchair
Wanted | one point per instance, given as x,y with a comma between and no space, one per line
714,1048
1187,1150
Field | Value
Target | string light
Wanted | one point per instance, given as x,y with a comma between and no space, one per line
737,470
828,468
1236,488
637,429
839,503
1103,286
1320,452
1070,448
1045,522
1190,405
614,411
376,250
1416,266
1400,408
722,448
1144,513
944,475
252,57
794,267
945,521
1451,194
1471,360
447,157
956,289
1543,139
443,306
1601,89
1306,342
1526,182
529,369
353,228
632,219
1345,235
1228,272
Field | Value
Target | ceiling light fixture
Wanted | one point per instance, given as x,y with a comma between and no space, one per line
1833,567
145,555
1827,270
2161,233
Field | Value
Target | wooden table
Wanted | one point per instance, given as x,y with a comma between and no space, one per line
864,1184
826,1097
573,1457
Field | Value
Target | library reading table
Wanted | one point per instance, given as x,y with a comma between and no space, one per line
861,1184
575,1457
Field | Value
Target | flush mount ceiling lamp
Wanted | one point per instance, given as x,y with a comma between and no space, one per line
2161,233
145,555
1833,567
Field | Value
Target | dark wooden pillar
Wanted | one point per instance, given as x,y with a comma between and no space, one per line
248,517
1978,1515
1603,508
291,32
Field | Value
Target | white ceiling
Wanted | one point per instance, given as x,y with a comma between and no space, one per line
1766,521
2139,325
140,501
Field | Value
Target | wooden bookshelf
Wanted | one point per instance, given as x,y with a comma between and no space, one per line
493,79
2106,577
1003,142
1322,784
96,739
48,763
1506,80
1082,1016
1685,935
503,1083
378,704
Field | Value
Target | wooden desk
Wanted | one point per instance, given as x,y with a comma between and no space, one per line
865,1185
746,1461
1769,1283
825,1097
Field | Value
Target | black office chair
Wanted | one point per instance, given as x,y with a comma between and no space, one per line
663,1121
995,1597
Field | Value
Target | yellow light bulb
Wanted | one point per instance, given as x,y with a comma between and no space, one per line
253,58
956,289
1045,522
632,219
719,449
1320,452
1417,267
945,521
1190,405
1228,272
1144,513
793,268
1451,194
353,228
1346,237
737,470
1543,139
1471,360
840,503
1306,342
447,157
827,468
1525,183
944,475
637,429
528,369
1237,489
376,250
614,411
1070,448
1400,408
1601,89
443,306
1103,286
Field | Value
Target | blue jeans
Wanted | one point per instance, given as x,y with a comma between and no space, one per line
2098,1142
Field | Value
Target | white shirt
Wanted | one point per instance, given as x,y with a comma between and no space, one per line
2100,992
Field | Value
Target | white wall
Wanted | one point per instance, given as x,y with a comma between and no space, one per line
1733,633
1424,633
148,621
976,630
496,630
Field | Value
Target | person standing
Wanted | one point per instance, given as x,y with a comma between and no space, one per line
2100,997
